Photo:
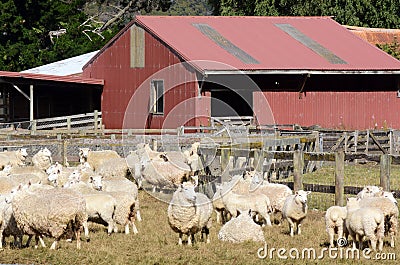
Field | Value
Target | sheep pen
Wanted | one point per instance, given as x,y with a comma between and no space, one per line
157,243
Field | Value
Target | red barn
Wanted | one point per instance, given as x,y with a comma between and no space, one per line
164,72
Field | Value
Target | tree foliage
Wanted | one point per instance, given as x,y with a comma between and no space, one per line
34,33
364,13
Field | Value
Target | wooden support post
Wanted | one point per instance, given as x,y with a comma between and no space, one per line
258,160
367,142
64,152
385,172
68,123
339,178
154,142
96,120
225,157
298,164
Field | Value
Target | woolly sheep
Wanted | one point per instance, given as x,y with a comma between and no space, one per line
365,221
42,159
39,213
125,214
161,173
295,210
8,226
189,212
390,211
368,191
219,206
257,203
96,158
253,183
40,173
120,184
114,167
13,158
100,209
335,218
240,229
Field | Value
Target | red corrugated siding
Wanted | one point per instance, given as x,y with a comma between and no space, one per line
122,81
344,110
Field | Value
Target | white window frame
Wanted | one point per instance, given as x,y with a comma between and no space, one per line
156,95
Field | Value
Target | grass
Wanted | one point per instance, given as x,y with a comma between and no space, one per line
156,243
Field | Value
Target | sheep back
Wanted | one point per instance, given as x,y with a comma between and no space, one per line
241,229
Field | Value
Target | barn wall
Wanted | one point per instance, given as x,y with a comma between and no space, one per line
331,109
126,90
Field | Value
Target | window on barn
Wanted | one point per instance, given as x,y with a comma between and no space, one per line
157,97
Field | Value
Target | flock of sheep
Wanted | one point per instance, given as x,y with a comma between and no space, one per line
103,189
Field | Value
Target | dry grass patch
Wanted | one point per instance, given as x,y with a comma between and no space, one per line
156,243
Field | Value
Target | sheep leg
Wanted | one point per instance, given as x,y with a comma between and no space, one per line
37,239
86,229
180,239
267,219
54,245
219,218
373,242
299,228
291,226
78,238
331,236
126,228
138,216
135,231
207,234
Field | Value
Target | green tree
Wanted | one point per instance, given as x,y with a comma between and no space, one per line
365,13
34,33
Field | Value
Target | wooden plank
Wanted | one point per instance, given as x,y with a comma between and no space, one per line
338,142
385,162
377,143
298,164
339,178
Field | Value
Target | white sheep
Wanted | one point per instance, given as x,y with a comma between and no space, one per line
40,173
253,183
96,158
390,211
100,209
365,222
219,206
49,212
13,158
114,167
257,203
118,184
368,191
125,210
8,226
335,218
42,159
161,173
295,210
240,229
189,212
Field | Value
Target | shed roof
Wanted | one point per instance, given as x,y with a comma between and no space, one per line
265,44
70,66
28,77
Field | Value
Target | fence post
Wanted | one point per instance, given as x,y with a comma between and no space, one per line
68,123
96,120
385,171
225,155
339,178
258,160
34,125
298,166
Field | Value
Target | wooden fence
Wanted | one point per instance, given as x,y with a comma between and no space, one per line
261,156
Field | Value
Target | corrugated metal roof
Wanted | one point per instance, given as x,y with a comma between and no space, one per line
55,78
376,35
261,39
70,66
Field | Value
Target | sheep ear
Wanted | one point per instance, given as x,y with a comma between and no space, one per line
296,192
348,199
308,192
380,188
